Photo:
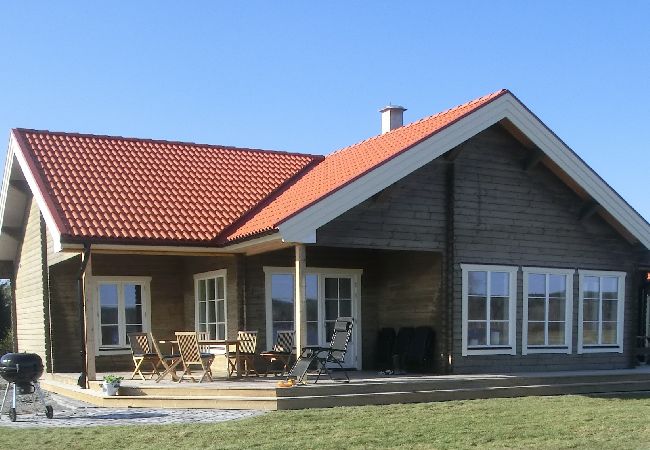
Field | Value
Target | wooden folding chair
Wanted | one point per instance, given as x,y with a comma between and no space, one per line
188,345
247,350
169,362
143,354
281,351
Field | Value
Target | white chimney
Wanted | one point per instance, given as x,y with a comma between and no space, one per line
392,116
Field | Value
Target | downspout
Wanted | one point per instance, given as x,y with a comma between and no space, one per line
449,266
83,377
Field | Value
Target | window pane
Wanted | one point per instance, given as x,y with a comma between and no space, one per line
202,291
476,333
477,283
345,288
499,308
345,308
312,297
212,312
202,307
477,308
202,327
499,282
329,330
212,331
609,332
221,331
282,297
609,287
557,286
133,329
211,290
610,310
556,333
556,309
591,287
332,288
498,333
536,285
221,289
221,311
133,303
312,333
536,309
110,335
590,310
535,333
331,309
590,333
108,303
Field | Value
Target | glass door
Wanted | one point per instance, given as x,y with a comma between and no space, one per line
338,294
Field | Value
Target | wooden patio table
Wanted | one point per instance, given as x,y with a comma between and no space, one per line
227,343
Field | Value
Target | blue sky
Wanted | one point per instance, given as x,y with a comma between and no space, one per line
310,76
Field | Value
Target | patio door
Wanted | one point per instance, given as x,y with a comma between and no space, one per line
331,293
338,301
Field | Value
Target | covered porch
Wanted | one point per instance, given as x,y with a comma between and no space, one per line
223,294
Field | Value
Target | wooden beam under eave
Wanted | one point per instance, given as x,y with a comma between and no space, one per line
20,185
588,209
13,232
533,158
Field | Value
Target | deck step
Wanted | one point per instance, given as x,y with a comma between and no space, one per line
369,392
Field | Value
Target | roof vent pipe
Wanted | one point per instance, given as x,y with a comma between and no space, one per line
392,116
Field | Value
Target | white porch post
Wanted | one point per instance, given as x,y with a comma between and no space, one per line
89,312
300,313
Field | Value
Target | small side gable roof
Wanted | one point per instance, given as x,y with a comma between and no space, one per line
351,175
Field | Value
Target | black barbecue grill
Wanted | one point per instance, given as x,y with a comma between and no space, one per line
22,371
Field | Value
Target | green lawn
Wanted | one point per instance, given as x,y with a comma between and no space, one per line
533,422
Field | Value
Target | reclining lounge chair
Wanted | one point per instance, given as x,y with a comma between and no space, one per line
335,353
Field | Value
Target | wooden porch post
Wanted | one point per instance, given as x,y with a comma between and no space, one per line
300,304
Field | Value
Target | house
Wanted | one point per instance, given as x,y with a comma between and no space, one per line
477,221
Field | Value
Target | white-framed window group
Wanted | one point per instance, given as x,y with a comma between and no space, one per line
489,310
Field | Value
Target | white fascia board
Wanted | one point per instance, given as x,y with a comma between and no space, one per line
14,149
308,221
9,160
305,223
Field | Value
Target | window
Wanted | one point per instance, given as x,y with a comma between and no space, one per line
547,316
489,309
210,304
122,308
601,308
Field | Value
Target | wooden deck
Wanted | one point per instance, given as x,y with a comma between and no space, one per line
365,388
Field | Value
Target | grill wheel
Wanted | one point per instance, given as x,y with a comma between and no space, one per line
12,414
49,412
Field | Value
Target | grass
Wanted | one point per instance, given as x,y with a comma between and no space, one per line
532,422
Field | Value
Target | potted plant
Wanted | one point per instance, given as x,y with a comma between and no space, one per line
111,384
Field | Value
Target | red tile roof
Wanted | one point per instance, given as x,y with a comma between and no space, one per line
346,165
116,188
125,190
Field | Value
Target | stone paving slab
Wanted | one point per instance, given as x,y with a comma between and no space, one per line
74,413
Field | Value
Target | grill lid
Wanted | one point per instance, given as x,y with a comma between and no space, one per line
21,367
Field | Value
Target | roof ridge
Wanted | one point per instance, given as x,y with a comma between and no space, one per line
165,141
423,119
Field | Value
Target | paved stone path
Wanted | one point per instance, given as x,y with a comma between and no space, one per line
73,413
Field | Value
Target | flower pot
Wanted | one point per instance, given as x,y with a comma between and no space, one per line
110,389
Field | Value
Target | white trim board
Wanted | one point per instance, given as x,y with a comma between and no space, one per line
302,226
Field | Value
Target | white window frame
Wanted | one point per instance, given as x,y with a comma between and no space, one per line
620,312
511,348
321,272
94,284
208,276
568,314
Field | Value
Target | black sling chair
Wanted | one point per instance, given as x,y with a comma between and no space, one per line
335,353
